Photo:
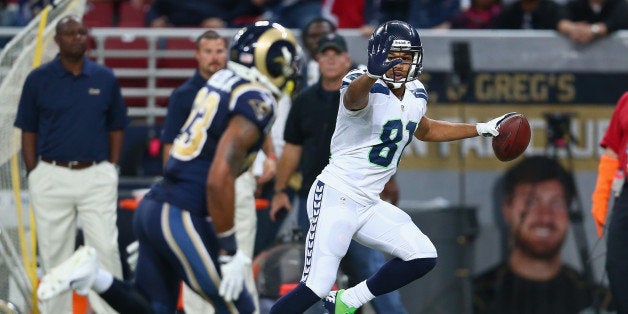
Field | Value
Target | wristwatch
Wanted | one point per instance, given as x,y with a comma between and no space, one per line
595,29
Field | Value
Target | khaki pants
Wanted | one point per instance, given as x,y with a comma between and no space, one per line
61,198
246,226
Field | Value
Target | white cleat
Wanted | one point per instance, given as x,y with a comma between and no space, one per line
77,272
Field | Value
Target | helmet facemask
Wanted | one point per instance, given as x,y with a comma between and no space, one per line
291,70
415,66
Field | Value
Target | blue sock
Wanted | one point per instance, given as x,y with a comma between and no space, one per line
126,298
397,273
296,301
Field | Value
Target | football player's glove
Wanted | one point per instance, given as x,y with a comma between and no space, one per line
232,268
133,253
490,128
378,63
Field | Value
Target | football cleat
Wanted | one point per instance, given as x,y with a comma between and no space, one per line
334,305
77,272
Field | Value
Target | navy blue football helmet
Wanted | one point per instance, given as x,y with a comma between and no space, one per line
269,53
405,38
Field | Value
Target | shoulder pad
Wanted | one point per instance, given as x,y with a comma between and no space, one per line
353,74
417,89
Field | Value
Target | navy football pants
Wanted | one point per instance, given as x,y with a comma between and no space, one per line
176,245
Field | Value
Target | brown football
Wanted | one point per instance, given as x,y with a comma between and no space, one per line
513,139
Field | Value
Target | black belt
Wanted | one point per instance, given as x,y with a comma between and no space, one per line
71,164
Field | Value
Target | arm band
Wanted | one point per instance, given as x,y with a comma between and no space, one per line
375,77
227,241
606,172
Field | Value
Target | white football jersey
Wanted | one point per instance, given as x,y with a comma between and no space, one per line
367,144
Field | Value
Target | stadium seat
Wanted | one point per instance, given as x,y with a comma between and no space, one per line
163,101
134,101
243,20
131,16
98,14
179,62
117,43
181,43
131,63
177,44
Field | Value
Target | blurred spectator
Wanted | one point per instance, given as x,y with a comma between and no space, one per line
393,10
310,35
290,13
72,118
529,14
138,4
360,14
419,13
482,14
130,13
198,13
537,193
8,18
29,9
8,13
587,20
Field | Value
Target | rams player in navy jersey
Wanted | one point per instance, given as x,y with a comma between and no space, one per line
185,224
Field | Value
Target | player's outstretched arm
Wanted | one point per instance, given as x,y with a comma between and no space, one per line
431,130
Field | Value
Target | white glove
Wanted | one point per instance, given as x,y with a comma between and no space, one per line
232,269
490,128
133,251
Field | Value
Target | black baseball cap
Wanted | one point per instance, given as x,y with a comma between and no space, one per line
332,40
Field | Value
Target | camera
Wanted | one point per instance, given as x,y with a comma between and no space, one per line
559,128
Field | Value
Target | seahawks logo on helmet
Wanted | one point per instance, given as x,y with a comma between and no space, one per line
269,51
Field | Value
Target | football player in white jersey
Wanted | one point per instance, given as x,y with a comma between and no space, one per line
381,110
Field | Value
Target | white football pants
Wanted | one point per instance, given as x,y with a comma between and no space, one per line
335,219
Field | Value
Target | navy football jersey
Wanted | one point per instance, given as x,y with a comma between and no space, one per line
224,96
